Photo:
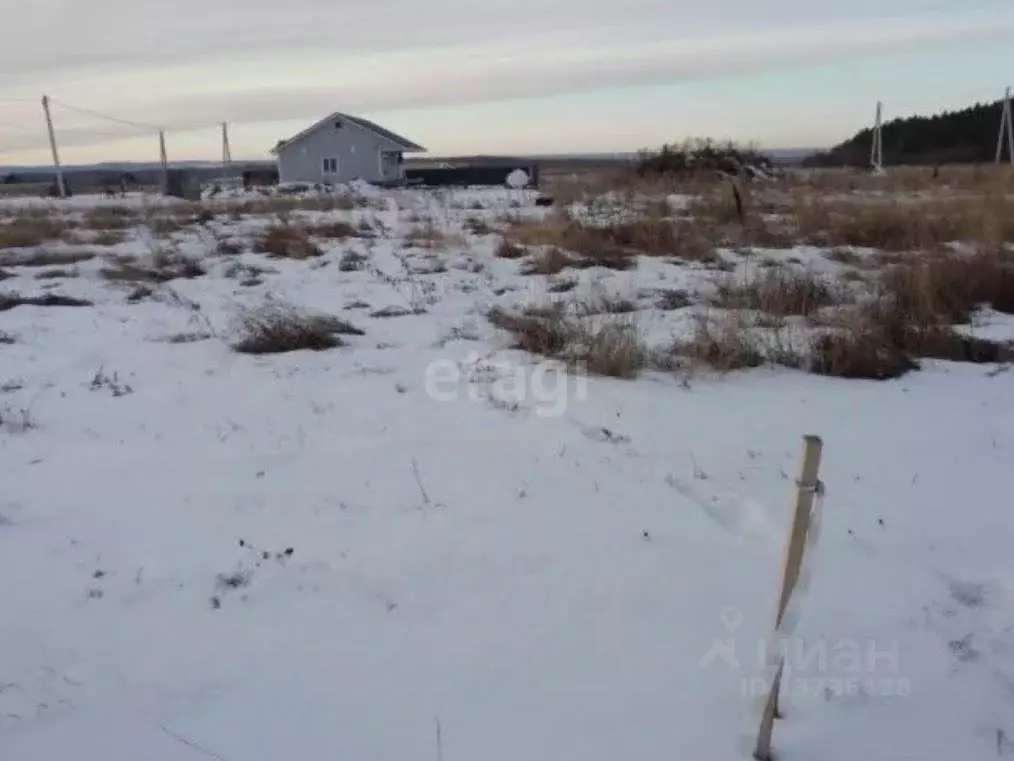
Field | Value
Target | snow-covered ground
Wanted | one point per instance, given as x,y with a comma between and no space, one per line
424,545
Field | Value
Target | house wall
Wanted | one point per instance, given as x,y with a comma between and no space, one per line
357,151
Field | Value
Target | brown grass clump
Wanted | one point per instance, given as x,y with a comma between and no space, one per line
508,250
26,230
725,344
163,267
110,218
906,224
334,230
549,261
288,242
545,332
108,237
611,348
860,352
778,291
614,349
278,328
616,245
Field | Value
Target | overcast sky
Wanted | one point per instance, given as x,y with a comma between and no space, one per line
485,75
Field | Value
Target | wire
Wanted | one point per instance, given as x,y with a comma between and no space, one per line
108,118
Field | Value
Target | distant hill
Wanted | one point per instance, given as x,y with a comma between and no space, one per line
952,137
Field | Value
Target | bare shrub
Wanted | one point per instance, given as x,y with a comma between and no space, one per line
276,328
288,242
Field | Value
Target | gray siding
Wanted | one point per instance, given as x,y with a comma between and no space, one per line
357,151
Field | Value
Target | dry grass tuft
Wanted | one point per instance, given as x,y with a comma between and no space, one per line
334,230
549,261
860,352
110,218
46,258
778,291
546,332
353,261
163,267
725,344
9,300
54,274
508,250
612,348
29,229
288,242
276,328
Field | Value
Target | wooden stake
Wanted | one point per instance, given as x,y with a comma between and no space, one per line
794,548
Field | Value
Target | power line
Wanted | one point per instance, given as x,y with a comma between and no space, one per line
106,117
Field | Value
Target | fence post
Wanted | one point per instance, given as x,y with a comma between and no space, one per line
807,489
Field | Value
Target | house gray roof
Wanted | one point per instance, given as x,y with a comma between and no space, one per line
405,145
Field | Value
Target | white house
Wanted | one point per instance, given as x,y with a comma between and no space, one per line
341,148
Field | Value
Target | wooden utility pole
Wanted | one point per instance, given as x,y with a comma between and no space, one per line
60,184
1006,129
226,150
808,489
877,149
165,161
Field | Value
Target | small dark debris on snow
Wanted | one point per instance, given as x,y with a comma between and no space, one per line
233,580
98,574
215,602
95,594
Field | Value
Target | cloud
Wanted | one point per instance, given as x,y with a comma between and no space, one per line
559,63
190,63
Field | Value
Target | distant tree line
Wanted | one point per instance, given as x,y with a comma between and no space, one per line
967,136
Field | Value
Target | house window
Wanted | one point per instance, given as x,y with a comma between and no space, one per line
330,166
